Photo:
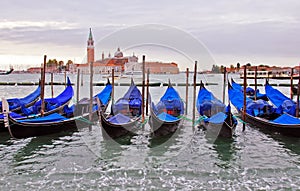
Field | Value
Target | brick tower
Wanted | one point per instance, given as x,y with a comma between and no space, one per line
90,48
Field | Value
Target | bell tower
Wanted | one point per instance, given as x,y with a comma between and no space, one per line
90,48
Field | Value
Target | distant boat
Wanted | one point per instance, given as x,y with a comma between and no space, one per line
134,72
295,89
268,74
2,72
133,68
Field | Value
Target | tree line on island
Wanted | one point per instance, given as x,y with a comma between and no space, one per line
232,68
59,65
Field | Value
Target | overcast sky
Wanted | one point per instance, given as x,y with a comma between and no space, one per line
256,31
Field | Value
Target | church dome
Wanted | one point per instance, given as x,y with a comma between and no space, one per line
118,54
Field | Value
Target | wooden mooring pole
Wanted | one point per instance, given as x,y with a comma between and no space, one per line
43,86
292,83
113,86
147,91
52,92
143,91
65,75
244,107
298,93
224,84
81,78
255,83
91,92
194,93
187,91
77,86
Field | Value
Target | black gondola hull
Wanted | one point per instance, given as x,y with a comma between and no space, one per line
162,128
24,130
266,126
225,129
56,110
2,128
112,130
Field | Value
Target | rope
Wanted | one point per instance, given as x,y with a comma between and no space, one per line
145,121
82,119
239,119
201,118
185,118
228,125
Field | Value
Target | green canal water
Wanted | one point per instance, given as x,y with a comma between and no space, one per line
187,160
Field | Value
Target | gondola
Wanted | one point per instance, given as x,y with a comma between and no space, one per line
165,116
54,123
216,117
124,118
6,72
15,104
264,116
250,92
50,124
280,100
83,105
53,105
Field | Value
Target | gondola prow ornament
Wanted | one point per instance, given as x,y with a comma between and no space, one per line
5,110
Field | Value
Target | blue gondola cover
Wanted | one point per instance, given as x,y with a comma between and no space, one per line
171,102
287,119
105,94
167,117
119,119
218,118
18,102
55,117
52,103
208,103
280,100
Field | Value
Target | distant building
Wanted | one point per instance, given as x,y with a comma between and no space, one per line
133,66
34,70
121,63
162,68
51,69
105,65
154,68
90,48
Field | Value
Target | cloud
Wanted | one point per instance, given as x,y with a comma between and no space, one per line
241,28
5,24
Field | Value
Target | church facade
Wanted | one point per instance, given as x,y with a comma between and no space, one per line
121,63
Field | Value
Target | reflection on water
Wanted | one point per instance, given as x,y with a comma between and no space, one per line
4,137
37,145
165,141
290,143
226,150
